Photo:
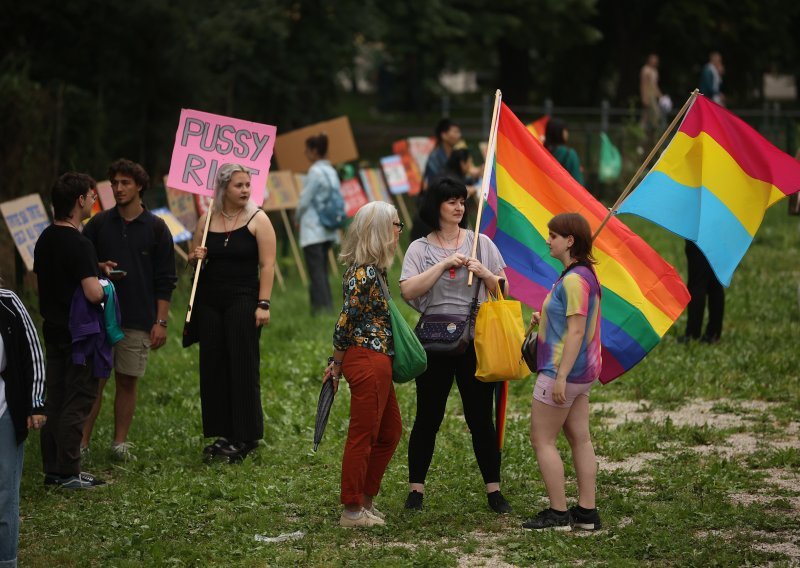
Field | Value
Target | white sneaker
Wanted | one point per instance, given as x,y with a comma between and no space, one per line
122,451
364,519
374,511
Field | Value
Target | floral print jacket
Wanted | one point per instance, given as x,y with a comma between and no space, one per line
364,320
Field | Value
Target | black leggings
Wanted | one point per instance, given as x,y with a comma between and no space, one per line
703,282
433,387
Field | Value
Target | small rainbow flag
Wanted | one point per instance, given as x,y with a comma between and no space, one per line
642,294
713,184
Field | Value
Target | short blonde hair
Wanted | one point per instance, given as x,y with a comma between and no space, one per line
370,238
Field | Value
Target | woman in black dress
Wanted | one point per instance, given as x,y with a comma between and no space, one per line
233,301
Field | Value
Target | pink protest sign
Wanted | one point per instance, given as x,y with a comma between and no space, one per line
204,142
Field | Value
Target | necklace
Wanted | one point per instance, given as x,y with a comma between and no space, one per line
233,226
439,236
232,215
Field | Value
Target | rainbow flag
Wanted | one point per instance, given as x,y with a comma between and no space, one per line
642,293
713,184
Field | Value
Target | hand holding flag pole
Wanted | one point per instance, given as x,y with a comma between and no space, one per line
630,187
487,170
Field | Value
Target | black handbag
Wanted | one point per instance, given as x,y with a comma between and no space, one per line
449,333
529,349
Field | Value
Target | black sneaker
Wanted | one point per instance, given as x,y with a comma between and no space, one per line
52,479
81,481
498,503
585,519
214,447
414,501
549,519
236,451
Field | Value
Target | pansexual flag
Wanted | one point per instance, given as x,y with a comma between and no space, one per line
642,293
713,184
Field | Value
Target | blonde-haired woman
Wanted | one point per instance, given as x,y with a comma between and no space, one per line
362,352
232,304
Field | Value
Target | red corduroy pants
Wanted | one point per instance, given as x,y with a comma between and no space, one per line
375,424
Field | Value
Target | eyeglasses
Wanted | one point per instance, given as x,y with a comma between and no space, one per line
400,225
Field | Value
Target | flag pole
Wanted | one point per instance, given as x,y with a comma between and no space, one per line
487,165
629,188
199,265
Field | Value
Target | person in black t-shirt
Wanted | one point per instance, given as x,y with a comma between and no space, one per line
64,260
137,253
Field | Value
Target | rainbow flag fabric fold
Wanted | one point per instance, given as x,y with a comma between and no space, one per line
642,294
713,183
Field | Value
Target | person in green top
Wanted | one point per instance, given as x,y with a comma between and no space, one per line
556,136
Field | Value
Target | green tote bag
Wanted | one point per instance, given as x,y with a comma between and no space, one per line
410,359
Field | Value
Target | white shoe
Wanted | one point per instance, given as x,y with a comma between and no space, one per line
122,451
364,519
374,511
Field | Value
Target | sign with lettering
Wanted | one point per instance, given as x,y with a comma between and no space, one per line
374,185
281,193
204,142
395,174
182,206
353,195
26,218
179,233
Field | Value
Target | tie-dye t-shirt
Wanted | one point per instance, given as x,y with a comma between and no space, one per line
577,293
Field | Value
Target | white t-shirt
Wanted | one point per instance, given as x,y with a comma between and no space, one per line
449,295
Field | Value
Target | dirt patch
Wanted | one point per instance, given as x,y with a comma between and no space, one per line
694,414
782,542
475,559
633,464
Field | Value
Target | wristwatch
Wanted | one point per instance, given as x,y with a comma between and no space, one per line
263,304
162,323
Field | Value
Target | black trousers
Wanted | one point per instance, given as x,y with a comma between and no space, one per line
71,392
230,390
433,387
319,289
703,282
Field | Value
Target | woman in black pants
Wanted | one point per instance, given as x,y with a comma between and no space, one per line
233,300
434,281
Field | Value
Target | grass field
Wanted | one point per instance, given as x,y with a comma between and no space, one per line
697,446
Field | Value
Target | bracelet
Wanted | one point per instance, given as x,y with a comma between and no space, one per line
263,304
162,323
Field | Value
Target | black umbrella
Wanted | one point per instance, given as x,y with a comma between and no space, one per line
323,411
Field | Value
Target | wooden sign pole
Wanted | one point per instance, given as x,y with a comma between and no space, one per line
295,250
199,266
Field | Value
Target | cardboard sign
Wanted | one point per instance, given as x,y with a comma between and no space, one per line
282,193
413,173
420,147
353,195
290,148
395,174
374,185
26,218
105,195
204,142
182,205
179,233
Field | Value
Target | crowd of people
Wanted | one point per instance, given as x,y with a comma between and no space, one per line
105,287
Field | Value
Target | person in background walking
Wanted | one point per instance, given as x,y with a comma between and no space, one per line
569,362
649,95
556,138
363,349
711,78
139,257
232,305
21,408
315,239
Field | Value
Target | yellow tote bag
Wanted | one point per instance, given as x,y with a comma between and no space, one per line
499,333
